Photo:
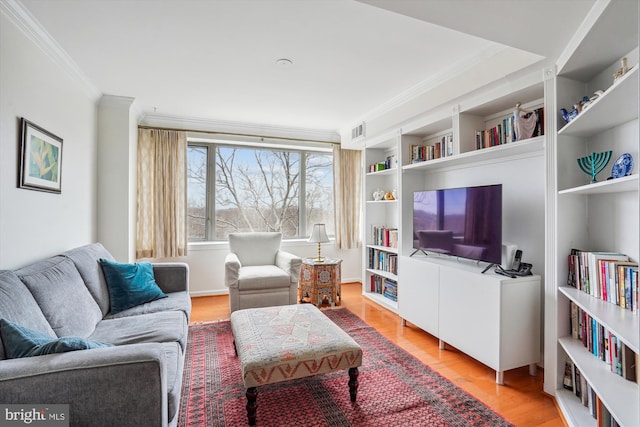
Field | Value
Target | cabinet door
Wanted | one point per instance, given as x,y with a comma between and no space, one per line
418,293
470,313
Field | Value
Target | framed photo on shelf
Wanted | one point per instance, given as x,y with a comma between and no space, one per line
40,165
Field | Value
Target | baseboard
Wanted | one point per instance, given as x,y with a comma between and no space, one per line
209,293
226,291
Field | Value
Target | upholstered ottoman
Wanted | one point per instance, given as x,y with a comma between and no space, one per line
288,342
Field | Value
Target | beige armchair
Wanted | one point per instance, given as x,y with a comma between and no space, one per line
258,273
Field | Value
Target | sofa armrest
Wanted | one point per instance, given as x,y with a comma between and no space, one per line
86,379
289,263
231,270
172,276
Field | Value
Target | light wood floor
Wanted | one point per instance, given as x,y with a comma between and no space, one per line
521,400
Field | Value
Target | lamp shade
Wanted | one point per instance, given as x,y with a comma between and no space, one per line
319,234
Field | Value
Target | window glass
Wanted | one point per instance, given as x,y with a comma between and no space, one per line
257,189
196,192
319,192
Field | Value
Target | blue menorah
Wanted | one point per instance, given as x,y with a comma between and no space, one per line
594,163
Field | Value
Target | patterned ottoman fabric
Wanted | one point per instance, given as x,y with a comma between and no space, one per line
287,342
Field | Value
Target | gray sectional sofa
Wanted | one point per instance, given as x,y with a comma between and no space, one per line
134,382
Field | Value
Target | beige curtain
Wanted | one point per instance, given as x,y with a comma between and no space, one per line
162,194
347,175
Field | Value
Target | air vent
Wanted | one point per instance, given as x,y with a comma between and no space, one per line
358,132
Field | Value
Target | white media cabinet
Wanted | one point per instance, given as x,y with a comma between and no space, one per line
492,318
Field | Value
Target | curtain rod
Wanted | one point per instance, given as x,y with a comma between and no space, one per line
237,134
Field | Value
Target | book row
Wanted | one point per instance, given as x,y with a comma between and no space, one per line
504,132
609,276
574,381
386,287
389,163
381,260
384,236
603,344
443,147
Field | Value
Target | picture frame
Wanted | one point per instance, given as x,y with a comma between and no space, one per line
40,165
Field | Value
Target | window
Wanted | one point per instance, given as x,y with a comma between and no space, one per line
235,188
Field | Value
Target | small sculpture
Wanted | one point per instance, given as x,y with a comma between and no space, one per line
622,70
567,116
597,94
389,196
378,195
594,163
524,123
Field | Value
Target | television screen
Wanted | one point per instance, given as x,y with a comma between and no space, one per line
463,222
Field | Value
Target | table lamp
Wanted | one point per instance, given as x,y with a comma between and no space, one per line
319,235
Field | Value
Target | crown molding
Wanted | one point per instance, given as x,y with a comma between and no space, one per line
448,73
29,25
208,125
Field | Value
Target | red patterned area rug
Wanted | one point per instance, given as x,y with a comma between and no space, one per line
396,389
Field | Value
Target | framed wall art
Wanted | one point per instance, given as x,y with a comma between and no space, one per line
40,165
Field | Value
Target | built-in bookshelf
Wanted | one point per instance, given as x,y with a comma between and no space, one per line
592,334
381,224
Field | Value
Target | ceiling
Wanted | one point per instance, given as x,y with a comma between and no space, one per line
218,59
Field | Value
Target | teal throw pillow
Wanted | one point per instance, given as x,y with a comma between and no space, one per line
19,342
130,284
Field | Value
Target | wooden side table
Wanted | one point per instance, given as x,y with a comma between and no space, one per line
320,281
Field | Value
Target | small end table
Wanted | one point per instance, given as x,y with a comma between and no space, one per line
320,281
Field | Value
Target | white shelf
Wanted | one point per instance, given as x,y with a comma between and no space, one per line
613,108
499,152
383,273
609,32
621,322
382,300
619,396
389,171
617,185
381,201
575,413
384,248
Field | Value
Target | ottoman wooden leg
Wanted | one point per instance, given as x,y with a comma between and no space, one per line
252,404
353,383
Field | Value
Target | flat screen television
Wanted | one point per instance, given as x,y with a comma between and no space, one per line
461,222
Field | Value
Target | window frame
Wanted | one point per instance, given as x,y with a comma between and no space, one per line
211,145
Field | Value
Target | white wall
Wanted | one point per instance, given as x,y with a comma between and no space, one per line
36,224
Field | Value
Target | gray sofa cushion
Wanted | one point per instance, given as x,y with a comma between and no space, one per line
59,290
17,305
169,326
86,259
178,301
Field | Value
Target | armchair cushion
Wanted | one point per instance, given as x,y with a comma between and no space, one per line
259,248
256,277
19,342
